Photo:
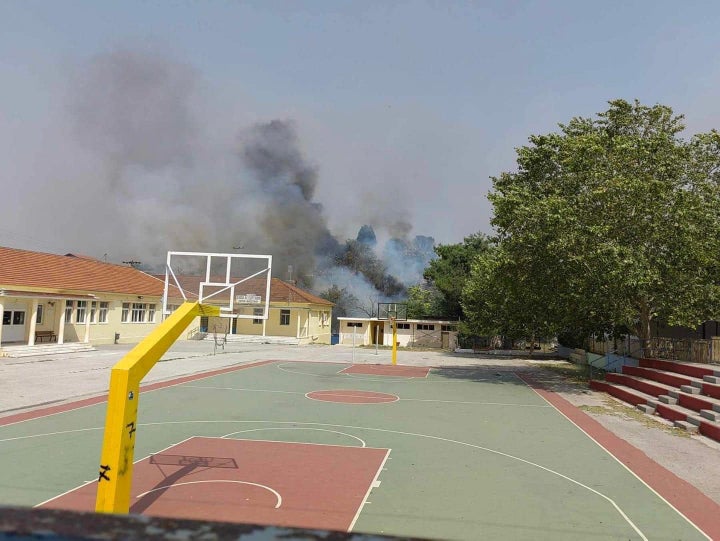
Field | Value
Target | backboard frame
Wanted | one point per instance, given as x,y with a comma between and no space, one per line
226,310
392,311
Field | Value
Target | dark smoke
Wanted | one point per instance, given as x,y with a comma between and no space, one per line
166,182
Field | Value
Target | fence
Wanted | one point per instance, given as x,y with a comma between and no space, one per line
692,350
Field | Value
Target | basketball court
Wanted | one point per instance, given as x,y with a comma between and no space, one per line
445,452
459,453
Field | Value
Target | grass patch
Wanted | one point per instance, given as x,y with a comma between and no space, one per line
618,409
576,373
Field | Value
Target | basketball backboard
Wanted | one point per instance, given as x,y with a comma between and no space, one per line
392,310
238,283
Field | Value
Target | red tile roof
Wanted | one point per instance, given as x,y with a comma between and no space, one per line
279,291
70,273
23,268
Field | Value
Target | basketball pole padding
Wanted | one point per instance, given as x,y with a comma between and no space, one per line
116,460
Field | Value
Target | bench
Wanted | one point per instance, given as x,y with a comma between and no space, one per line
41,336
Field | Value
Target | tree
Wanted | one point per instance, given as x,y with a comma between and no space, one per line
424,300
614,221
451,269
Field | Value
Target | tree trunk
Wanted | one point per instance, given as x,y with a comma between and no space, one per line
643,328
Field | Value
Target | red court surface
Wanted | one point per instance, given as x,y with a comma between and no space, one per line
388,370
262,482
349,396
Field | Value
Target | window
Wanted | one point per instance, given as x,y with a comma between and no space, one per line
7,317
69,305
125,312
284,317
138,312
39,316
403,325
258,313
448,328
355,324
151,313
324,319
425,327
93,312
18,318
80,314
102,315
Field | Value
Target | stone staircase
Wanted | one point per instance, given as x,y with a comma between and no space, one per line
44,349
688,394
252,339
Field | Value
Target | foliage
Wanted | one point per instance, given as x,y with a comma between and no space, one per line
614,221
451,269
424,300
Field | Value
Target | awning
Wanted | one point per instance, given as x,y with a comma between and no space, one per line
49,296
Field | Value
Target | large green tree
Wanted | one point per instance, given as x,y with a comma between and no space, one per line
449,271
614,221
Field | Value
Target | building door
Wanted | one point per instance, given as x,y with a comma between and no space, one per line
445,339
13,323
204,324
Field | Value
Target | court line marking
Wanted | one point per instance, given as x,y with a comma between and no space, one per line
428,436
389,379
95,480
329,392
383,375
375,483
401,399
275,492
618,461
362,442
102,397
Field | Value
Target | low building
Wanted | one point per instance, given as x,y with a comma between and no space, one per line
431,333
50,298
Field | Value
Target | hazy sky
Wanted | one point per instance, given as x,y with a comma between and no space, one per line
405,109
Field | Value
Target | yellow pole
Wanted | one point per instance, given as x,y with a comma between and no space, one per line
394,349
116,460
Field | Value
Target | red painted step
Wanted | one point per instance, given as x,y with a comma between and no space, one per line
689,369
654,389
631,396
668,378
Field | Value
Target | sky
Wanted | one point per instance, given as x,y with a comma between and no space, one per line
125,126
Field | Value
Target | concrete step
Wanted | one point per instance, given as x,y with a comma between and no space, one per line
710,414
667,399
646,408
686,426
45,349
690,389
712,379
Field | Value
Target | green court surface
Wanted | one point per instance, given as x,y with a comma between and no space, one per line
474,453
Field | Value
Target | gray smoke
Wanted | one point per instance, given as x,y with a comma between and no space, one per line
143,169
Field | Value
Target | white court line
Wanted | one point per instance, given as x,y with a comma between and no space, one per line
362,442
243,389
374,483
619,461
476,403
275,492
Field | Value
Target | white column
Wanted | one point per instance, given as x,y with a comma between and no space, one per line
2,309
33,322
60,303
298,326
88,307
